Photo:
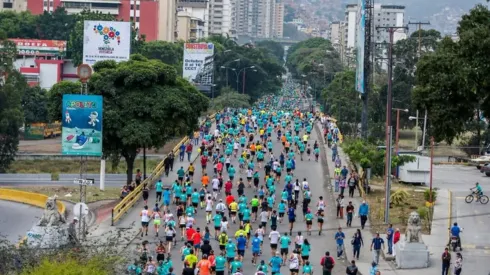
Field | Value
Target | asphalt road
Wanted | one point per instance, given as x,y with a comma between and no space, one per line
311,170
473,217
16,219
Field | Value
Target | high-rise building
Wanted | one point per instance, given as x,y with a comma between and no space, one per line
198,10
189,28
13,5
221,18
156,19
383,16
259,18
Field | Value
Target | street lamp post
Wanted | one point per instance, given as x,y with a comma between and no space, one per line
244,72
417,118
226,68
398,126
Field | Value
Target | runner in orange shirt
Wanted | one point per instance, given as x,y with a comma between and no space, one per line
204,266
205,180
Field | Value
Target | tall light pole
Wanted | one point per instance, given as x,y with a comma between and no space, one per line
398,126
229,68
244,73
417,118
389,133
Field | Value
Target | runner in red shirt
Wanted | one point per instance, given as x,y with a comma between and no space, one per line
204,162
196,241
229,199
228,186
219,167
189,233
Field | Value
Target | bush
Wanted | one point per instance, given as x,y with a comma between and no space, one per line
427,195
399,197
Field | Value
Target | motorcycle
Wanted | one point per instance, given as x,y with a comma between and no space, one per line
454,243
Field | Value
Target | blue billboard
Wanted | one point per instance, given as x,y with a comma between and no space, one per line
81,125
361,35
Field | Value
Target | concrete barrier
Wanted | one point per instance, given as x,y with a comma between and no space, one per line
108,177
25,177
34,199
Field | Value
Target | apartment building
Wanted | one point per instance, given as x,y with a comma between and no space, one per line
190,28
222,18
156,19
383,16
196,11
13,5
259,18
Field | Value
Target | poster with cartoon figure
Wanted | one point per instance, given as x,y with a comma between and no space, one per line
82,125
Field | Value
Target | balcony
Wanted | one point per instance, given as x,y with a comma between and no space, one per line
193,26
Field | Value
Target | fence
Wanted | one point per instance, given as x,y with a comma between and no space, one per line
122,207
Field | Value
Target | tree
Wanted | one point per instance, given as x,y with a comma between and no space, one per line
55,97
55,25
453,82
230,98
12,87
167,52
18,25
274,48
35,105
145,105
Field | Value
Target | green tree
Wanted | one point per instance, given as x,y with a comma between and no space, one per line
55,97
230,98
167,52
18,25
274,48
35,105
453,81
145,105
55,25
12,87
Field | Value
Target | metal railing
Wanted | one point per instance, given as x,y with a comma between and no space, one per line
133,197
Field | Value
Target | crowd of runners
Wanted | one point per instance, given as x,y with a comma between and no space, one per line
279,196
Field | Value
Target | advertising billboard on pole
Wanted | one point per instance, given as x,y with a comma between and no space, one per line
196,56
106,40
361,35
82,125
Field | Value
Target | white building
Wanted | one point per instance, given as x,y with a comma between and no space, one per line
259,18
221,17
197,10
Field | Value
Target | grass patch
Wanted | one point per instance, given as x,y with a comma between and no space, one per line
60,166
441,149
93,192
398,213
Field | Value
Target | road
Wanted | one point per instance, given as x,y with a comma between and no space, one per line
16,219
473,217
311,170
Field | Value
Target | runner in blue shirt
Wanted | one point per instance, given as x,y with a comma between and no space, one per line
256,242
275,263
292,218
241,244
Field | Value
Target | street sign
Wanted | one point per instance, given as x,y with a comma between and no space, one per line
84,72
80,208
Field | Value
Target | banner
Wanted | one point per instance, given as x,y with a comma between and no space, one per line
82,125
197,56
106,40
361,37
35,47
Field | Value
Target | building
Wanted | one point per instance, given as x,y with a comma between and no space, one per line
333,33
13,5
278,23
222,18
189,28
383,16
198,11
156,19
259,18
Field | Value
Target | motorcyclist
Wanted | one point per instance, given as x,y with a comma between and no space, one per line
455,232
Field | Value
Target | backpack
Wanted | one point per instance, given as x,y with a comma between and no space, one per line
328,263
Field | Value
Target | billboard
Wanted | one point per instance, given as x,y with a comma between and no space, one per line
82,125
35,47
197,56
106,40
361,35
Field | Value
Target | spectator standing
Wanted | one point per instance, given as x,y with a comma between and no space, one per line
351,269
363,213
327,262
339,238
389,238
446,261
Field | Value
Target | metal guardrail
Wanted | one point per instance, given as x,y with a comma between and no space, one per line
132,198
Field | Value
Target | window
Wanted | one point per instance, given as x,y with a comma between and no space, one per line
137,7
7,5
137,19
45,4
51,3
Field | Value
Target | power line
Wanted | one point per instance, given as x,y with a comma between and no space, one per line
419,24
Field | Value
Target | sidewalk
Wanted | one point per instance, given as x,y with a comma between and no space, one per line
435,241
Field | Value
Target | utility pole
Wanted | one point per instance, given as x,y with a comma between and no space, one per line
389,132
367,64
419,24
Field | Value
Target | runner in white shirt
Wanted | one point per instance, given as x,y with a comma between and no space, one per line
224,225
274,239
189,221
321,204
260,234
305,185
236,146
299,240
145,220
209,208
294,263
168,216
215,184
275,164
182,225
221,208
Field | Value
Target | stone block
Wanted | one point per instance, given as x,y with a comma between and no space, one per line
47,236
412,255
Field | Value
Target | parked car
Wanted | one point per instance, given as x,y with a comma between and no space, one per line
480,161
485,169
